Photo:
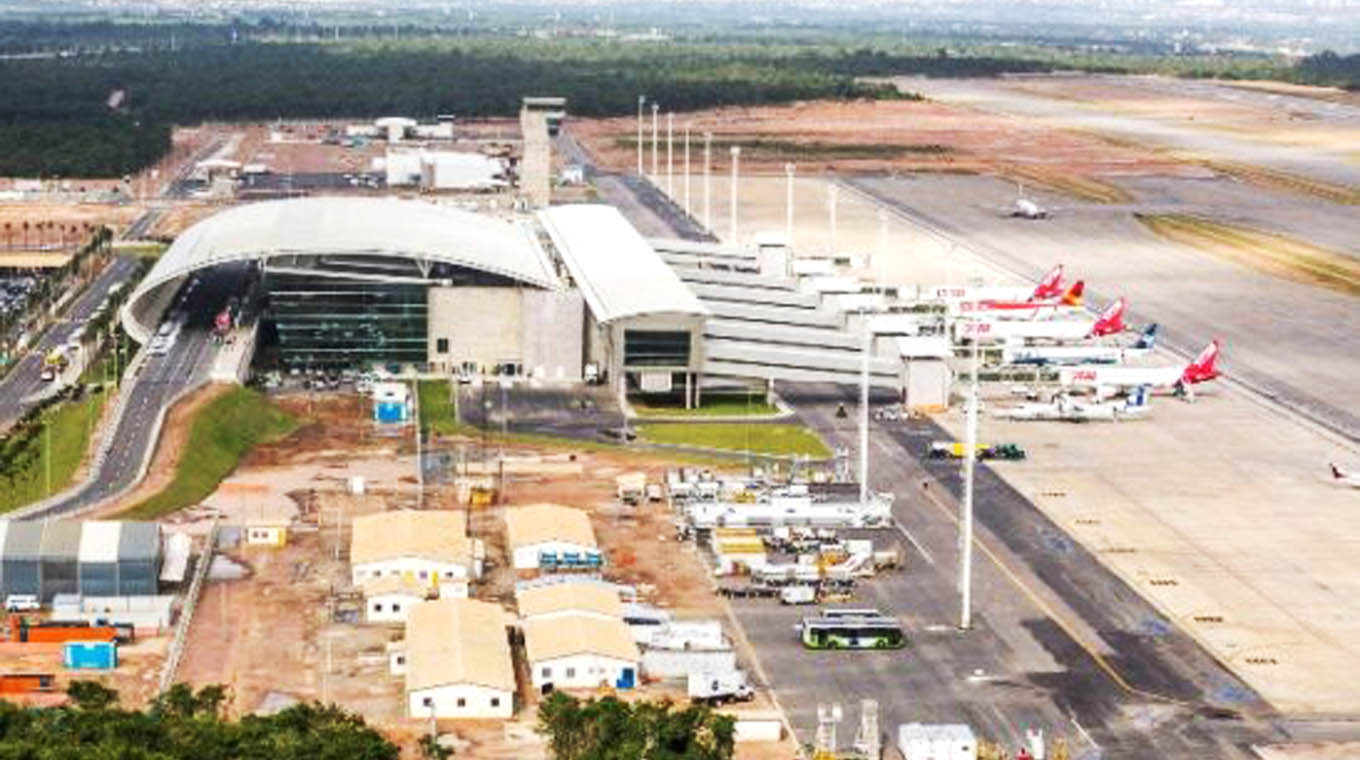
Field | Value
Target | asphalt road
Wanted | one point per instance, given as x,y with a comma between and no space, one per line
161,378
1018,667
647,208
1171,131
20,389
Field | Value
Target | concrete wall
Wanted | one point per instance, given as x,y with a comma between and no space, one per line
477,702
552,335
389,608
482,324
581,671
409,567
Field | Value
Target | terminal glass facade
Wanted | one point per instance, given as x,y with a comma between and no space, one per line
336,312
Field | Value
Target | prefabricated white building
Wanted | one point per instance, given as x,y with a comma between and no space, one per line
390,599
550,533
457,660
580,652
589,598
421,547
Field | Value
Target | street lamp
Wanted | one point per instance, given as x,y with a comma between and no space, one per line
789,169
732,198
641,99
655,169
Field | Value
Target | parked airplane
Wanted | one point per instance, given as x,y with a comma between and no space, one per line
992,330
1065,409
1068,355
1111,380
1344,477
1050,286
1069,302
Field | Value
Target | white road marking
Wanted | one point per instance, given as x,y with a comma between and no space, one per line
903,530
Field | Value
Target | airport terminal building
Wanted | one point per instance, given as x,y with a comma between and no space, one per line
567,293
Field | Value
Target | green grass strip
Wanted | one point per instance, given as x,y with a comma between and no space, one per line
710,405
222,432
786,440
23,457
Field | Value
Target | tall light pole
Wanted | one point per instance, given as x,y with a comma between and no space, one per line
641,100
868,340
788,204
832,192
708,181
732,198
655,167
882,253
670,154
966,523
688,208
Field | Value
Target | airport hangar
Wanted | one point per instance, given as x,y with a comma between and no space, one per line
353,282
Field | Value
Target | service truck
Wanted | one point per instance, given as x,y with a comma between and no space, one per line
720,687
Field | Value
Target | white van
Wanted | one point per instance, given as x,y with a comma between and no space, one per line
22,603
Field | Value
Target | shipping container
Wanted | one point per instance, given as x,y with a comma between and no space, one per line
23,683
90,655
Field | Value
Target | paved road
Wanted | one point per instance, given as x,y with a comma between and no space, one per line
22,387
1017,667
1167,130
161,378
649,210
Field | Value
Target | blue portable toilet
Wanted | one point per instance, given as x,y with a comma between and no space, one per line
391,402
626,679
90,655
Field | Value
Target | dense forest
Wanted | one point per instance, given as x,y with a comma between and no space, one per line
183,724
104,110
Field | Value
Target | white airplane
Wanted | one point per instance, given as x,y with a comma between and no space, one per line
1110,322
1110,380
1050,286
1028,209
1344,477
1068,355
1065,409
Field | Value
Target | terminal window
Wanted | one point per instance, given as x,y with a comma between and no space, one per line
656,348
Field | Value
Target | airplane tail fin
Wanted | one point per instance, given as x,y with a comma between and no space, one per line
1073,295
1149,337
1050,286
1204,367
1111,320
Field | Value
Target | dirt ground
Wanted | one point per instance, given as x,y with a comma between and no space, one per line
135,678
274,636
931,137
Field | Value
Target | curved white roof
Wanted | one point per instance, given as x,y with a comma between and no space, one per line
618,272
356,226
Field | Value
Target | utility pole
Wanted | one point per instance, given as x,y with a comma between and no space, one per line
670,154
655,166
688,208
966,524
732,198
789,169
641,99
47,456
708,183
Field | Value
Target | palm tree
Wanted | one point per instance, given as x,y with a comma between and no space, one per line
9,236
25,233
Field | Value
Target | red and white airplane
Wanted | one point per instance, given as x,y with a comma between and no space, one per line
994,330
1110,380
1050,286
1067,302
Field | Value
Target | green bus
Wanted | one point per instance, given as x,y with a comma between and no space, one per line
852,629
